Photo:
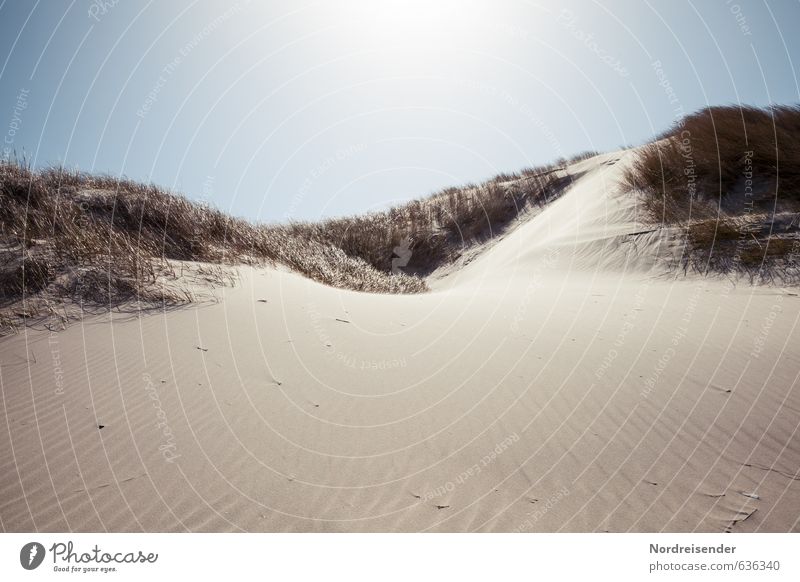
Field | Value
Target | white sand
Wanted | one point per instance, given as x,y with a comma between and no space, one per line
556,383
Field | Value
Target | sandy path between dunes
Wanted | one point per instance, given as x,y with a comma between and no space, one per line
553,384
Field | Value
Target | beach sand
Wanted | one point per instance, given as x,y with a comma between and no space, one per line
559,381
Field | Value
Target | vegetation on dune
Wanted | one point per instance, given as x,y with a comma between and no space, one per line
428,233
729,176
579,157
101,240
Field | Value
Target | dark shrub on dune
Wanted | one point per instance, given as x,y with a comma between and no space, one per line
731,177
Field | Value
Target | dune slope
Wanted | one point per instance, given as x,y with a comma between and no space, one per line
557,382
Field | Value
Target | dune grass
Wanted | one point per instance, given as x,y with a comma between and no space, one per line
730,176
103,241
100,240
431,232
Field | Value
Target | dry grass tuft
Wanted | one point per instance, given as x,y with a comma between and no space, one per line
708,156
731,176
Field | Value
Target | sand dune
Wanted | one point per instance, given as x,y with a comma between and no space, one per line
559,381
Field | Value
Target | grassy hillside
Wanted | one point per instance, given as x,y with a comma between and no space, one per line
100,240
730,177
422,235
727,178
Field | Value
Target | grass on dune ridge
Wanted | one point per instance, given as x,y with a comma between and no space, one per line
430,232
100,240
729,176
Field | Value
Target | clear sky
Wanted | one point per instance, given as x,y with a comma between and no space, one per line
302,109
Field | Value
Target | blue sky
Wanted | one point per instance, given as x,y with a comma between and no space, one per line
306,109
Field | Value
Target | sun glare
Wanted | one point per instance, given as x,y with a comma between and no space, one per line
393,21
